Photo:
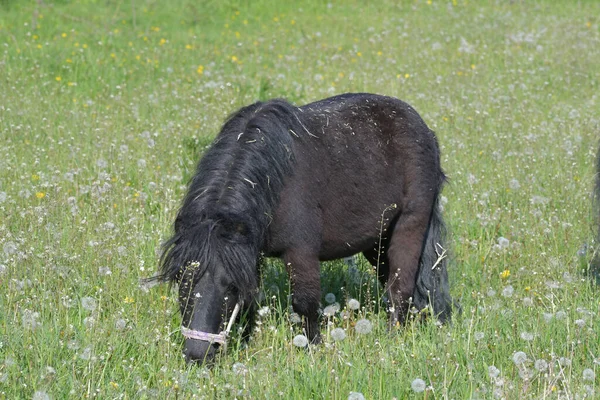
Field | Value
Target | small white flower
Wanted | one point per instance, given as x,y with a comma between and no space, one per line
418,385
263,311
363,326
300,341
338,334
519,357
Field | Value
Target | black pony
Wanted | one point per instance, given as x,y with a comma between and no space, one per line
348,174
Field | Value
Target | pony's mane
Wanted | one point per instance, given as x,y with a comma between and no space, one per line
224,217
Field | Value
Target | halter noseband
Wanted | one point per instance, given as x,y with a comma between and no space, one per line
220,337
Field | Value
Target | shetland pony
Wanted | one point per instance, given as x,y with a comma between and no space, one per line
354,173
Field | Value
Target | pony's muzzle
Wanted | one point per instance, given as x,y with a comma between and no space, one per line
199,351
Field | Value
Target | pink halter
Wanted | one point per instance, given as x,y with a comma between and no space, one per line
220,337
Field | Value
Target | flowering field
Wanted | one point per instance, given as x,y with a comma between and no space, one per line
105,106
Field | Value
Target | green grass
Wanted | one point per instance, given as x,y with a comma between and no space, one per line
105,107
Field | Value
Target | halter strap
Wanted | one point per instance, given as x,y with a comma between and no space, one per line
220,337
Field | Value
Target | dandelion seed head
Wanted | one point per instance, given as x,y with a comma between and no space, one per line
548,317
3,269
493,372
9,248
295,318
564,362
330,298
300,341
120,324
101,163
239,369
418,385
89,322
514,184
363,326
580,323
29,319
86,354
89,303
338,334
356,396
40,395
527,336
519,357
508,291
541,365
331,309
478,336
560,315
503,242
589,374
3,197
353,304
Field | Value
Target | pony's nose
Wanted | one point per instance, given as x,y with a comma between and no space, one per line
199,351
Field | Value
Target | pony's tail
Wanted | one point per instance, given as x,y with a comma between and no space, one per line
594,268
432,288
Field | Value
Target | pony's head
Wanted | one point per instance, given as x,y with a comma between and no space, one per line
215,266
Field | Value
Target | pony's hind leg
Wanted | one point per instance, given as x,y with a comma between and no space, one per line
304,270
403,253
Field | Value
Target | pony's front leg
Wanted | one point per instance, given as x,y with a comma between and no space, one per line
304,271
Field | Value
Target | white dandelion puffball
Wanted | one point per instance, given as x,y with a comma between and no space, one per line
589,374
363,326
330,298
331,309
338,334
300,341
519,357
418,385
541,365
353,304
356,396
88,303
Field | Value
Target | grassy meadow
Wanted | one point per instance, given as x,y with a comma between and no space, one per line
105,107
